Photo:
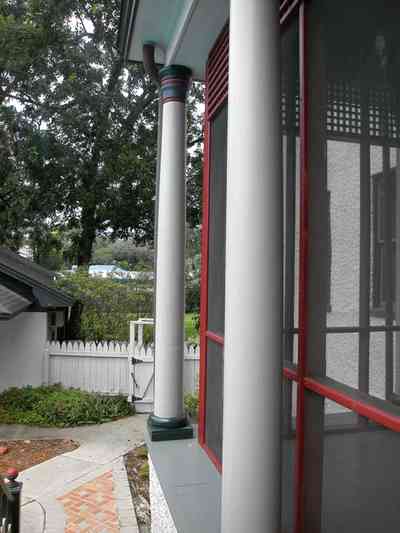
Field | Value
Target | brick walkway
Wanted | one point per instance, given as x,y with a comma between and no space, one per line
91,508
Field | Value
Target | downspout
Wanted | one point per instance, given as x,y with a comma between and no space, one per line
151,69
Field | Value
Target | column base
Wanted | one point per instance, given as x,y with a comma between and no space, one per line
168,428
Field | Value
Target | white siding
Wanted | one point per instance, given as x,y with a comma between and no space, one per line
22,342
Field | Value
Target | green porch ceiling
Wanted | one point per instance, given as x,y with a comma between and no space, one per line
182,30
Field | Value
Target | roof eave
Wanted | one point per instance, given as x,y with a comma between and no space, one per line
126,24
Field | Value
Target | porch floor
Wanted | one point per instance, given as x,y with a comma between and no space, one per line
191,484
361,472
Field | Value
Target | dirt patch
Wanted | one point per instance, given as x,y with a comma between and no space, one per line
23,454
137,468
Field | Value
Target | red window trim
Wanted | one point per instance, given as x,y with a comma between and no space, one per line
290,374
359,406
214,337
216,95
214,459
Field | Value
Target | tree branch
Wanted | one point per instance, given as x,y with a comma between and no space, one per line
196,140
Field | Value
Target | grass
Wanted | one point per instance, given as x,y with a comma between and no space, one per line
191,332
54,406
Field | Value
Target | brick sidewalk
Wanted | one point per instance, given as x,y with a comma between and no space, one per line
91,508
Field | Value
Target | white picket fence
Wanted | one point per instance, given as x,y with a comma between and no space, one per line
108,368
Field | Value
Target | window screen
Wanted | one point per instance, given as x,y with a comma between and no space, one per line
214,397
217,218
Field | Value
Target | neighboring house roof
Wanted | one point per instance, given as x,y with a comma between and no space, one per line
118,272
24,283
109,269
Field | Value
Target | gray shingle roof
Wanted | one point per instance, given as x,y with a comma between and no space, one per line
34,276
11,303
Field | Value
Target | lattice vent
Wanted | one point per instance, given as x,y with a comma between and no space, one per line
343,114
295,122
383,115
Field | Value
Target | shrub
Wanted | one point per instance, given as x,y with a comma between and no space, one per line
191,402
108,304
56,406
192,293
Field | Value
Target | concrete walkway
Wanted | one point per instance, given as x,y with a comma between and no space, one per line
83,491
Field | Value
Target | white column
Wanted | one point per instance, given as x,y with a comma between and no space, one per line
170,299
251,488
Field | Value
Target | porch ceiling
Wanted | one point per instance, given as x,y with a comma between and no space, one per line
183,30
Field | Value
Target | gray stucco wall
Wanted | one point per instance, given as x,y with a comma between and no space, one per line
343,177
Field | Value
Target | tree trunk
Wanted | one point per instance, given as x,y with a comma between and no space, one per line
74,322
88,219
88,235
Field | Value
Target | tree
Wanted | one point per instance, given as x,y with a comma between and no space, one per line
195,154
106,305
25,35
96,121
84,126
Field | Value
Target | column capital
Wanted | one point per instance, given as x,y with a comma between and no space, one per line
174,83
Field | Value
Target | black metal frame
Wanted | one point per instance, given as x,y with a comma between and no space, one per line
10,503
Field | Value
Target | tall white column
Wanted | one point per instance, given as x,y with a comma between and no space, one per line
170,298
251,488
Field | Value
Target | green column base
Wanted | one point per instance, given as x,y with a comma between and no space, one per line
165,429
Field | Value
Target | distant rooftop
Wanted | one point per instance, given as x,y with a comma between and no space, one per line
107,268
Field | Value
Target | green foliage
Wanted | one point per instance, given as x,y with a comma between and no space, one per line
191,402
192,297
192,270
78,129
59,407
192,327
108,304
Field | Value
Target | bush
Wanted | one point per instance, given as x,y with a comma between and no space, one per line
192,293
55,406
191,402
108,304
192,328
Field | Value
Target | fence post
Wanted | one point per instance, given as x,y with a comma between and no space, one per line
131,355
46,364
140,334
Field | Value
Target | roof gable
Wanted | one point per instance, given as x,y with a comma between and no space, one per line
11,303
33,276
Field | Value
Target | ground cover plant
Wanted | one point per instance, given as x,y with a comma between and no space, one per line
55,406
